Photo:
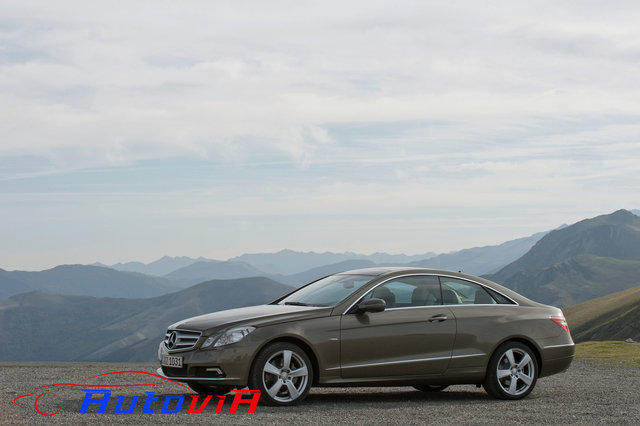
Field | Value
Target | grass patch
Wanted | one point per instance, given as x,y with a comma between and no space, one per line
611,352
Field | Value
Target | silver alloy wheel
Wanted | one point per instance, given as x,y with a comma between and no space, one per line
285,376
515,371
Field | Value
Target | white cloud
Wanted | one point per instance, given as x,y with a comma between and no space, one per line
325,107
214,74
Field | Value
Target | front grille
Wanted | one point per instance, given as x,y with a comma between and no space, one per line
184,339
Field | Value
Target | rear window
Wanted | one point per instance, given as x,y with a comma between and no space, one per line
498,297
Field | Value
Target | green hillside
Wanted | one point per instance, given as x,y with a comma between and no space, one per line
609,352
577,279
612,317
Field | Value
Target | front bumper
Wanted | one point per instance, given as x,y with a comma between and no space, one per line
233,363
209,380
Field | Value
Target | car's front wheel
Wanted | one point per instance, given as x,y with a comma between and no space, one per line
512,371
209,390
283,373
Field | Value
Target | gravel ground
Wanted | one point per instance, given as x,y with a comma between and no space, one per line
586,393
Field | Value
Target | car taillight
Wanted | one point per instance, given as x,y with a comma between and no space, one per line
561,322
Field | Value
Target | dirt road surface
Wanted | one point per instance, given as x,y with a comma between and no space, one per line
586,393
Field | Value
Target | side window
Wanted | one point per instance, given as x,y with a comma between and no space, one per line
461,292
409,291
502,300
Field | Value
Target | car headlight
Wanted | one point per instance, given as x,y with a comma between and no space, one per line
228,337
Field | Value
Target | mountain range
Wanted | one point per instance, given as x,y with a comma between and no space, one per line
299,268
53,327
204,270
85,280
117,281
589,259
181,272
289,262
482,260
284,262
583,261
160,267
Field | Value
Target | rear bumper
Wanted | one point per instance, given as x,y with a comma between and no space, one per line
557,358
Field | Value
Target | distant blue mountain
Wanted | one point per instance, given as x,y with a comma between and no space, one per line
482,260
297,268
287,262
204,271
85,280
160,267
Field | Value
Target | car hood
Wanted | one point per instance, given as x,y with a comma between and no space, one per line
252,315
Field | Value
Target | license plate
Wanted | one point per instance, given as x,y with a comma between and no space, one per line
172,361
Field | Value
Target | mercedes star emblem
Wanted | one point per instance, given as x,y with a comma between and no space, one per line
172,339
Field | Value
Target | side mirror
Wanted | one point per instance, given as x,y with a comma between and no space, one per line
371,305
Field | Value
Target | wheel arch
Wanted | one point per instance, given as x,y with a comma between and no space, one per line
525,341
296,340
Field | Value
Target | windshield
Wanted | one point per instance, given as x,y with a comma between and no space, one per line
328,291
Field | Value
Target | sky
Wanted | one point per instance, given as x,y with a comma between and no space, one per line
133,130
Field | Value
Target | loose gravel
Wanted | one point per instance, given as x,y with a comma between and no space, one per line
586,393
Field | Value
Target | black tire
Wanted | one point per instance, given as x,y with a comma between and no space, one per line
500,387
285,395
431,388
209,390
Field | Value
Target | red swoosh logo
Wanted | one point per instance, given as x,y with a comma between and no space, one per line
35,403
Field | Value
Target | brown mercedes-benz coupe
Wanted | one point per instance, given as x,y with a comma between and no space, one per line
373,327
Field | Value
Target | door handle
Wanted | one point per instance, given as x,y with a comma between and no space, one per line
439,318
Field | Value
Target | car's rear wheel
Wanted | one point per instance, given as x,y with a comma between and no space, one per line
283,373
512,371
209,390
431,388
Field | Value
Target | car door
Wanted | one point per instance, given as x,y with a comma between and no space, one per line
480,321
413,336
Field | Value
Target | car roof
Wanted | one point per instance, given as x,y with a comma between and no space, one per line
384,270
381,270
